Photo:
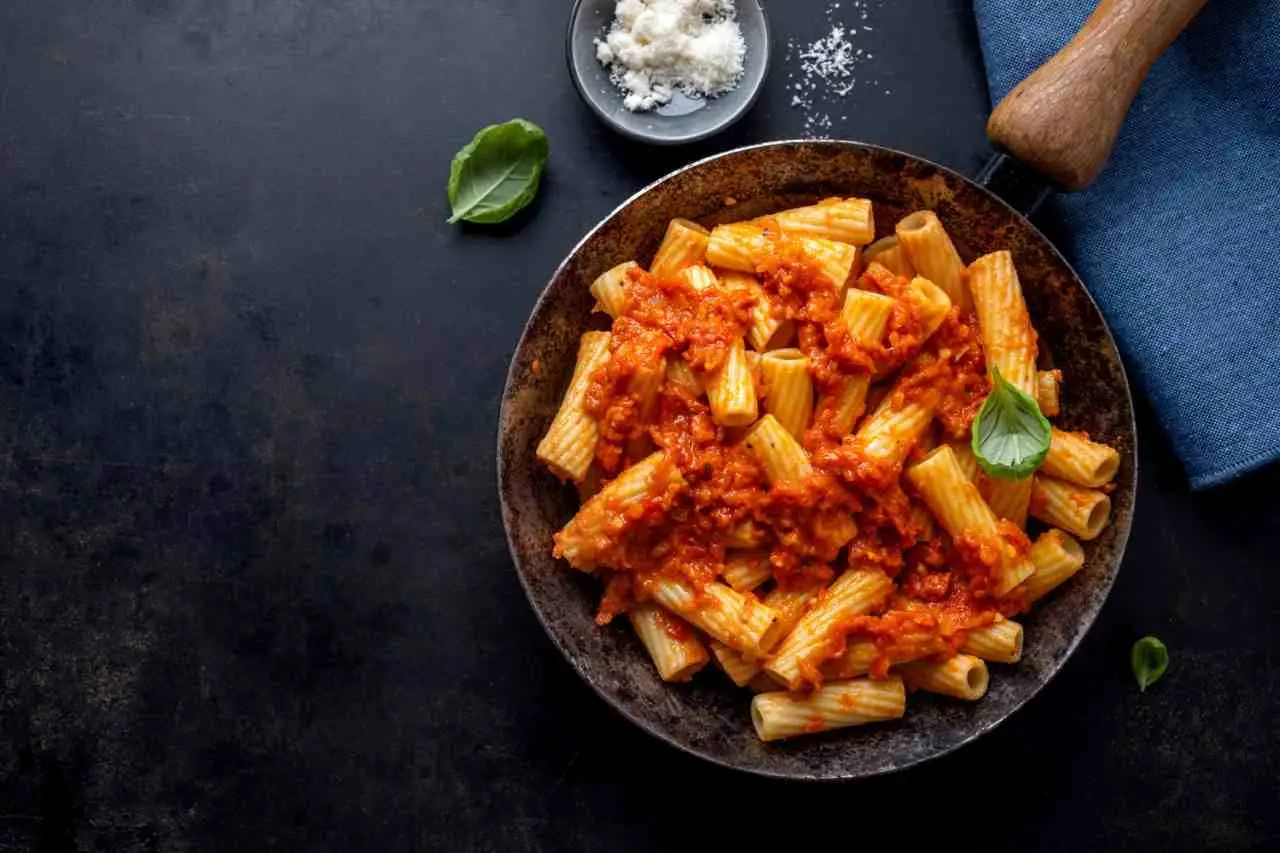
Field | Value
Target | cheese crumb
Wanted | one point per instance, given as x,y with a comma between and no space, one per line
656,47
828,65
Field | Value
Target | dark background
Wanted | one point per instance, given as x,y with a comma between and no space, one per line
253,586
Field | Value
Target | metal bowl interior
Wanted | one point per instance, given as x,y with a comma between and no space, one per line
709,717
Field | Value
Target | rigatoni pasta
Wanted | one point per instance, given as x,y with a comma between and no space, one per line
788,389
570,443
610,289
835,706
676,652
933,255
845,220
959,508
962,676
1080,511
746,570
684,245
1049,392
889,253
783,459
1075,458
809,643
743,507
865,316
1057,557
731,390
999,642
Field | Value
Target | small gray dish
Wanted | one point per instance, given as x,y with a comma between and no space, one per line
684,119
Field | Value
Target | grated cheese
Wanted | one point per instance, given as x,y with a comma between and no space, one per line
656,47
828,66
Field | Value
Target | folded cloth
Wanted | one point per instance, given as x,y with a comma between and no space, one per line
1179,239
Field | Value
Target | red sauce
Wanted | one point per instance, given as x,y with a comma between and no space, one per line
673,628
944,586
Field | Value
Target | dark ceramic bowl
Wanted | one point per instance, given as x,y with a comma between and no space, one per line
709,717
684,119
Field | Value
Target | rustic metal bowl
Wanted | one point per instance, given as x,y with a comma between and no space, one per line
709,717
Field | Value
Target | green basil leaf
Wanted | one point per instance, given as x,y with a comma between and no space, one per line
1149,659
497,173
1010,436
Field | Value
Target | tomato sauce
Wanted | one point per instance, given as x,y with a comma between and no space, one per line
944,586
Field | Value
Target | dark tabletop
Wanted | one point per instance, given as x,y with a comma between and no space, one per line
254,591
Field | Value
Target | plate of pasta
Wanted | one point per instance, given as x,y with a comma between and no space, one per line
740,474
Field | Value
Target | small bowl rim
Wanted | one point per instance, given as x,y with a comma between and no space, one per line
729,119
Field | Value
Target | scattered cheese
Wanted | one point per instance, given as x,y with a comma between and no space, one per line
827,66
656,47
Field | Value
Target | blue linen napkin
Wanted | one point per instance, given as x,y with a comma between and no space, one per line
1179,239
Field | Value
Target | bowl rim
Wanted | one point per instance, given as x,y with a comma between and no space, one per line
1122,535
728,120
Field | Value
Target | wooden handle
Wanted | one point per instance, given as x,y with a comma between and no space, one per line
1063,119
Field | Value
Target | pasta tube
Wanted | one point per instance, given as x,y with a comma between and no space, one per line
845,703
960,509
835,261
1008,499
744,246
797,659
847,220
1049,392
731,390
645,384
684,245
999,642
676,652
1077,510
963,676
933,302
766,329
1076,459
1056,557
739,667
784,460
892,430
1010,345
933,255
889,254
789,397
610,288
570,444
1007,335
698,277
582,540
681,375
790,603
746,570
735,619
866,316
738,246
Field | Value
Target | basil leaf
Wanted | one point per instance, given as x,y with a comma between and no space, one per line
1010,436
497,173
1149,660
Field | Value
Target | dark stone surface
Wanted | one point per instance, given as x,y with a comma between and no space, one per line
253,587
